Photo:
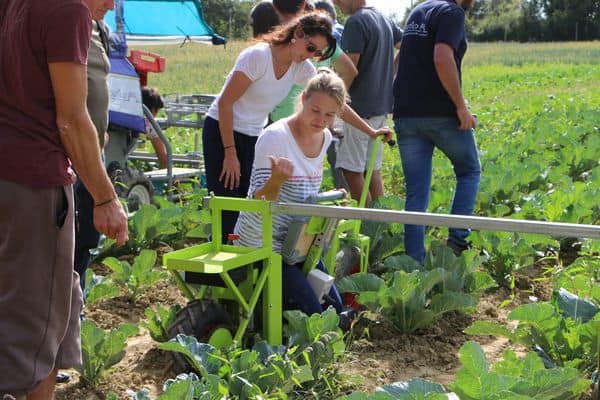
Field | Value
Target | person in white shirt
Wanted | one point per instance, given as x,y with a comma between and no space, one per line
288,167
262,76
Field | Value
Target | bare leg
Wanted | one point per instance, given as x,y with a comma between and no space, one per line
45,390
355,182
376,186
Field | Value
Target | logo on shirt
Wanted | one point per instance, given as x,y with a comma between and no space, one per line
415,29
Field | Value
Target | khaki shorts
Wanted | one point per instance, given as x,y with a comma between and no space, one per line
354,150
40,297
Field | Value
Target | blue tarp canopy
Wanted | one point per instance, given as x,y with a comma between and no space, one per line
164,21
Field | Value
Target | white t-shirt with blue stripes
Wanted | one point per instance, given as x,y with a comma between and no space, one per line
277,140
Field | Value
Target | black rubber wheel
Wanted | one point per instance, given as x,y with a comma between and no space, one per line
139,193
207,321
134,187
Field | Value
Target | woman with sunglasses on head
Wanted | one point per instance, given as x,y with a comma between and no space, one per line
288,167
262,76
338,61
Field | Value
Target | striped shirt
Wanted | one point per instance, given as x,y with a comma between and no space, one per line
277,140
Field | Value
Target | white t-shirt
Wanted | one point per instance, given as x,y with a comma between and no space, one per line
251,110
277,140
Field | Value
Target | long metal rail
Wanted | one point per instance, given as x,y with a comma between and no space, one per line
431,219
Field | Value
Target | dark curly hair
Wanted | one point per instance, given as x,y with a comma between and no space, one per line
152,99
311,24
263,18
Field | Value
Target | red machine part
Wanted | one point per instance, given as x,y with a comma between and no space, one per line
349,299
144,62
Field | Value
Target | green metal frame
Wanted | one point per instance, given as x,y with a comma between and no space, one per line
263,276
264,265
348,231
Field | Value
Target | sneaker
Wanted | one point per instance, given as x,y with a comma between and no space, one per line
457,248
63,377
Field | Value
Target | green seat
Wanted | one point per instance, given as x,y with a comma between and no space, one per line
234,273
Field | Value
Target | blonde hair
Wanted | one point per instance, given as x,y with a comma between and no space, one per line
328,82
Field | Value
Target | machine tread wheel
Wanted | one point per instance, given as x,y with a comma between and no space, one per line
347,261
133,186
199,318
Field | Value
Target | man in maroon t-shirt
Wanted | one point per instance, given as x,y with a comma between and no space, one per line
44,127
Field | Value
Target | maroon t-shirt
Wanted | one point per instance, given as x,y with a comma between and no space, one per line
31,152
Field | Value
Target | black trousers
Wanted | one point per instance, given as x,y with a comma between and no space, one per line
86,235
212,147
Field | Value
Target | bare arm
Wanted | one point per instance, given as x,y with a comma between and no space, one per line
397,58
160,150
350,116
236,87
445,66
354,57
346,69
281,170
79,138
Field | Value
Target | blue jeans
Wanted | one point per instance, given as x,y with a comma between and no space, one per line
417,138
298,294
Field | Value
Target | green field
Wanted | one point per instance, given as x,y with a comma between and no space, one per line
199,68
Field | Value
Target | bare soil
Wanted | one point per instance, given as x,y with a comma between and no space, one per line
376,353
379,355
